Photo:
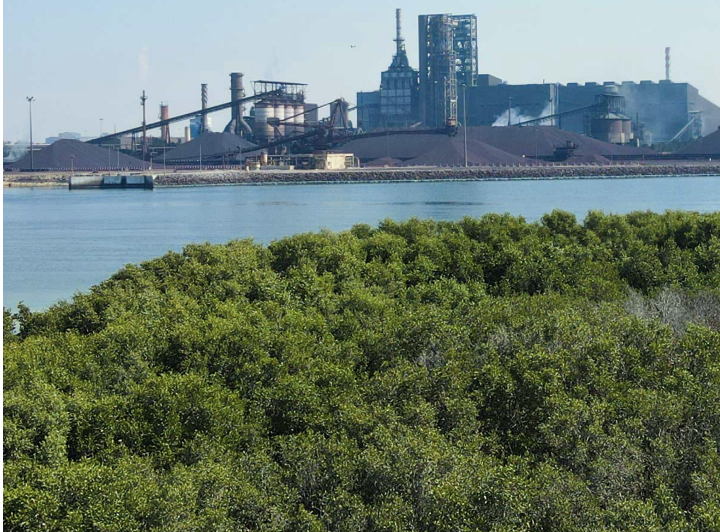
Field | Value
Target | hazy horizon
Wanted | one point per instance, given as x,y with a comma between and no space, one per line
92,60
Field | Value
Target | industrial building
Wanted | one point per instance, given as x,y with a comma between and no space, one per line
448,60
396,104
658,111
619,112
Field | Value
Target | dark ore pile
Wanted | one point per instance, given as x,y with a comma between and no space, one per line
211,145
708,145
511,145
66,154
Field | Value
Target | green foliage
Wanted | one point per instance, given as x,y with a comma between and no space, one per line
487,374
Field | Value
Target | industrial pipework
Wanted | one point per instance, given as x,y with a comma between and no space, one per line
237,124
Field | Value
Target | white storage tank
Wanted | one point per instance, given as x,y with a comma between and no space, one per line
280,114
289,127
263,111
298,109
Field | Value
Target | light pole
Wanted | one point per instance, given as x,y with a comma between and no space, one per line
32,158
464,86
101,120
72,165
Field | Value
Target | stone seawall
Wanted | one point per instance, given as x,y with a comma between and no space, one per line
238,177
431,174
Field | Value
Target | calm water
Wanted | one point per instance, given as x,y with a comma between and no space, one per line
57,242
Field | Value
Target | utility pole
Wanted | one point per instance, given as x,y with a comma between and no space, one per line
465,122
143,98
32,157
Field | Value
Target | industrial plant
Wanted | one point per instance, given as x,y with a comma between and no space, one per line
444,96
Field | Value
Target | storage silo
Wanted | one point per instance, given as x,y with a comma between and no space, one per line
263,111
280,115
289,124
298,109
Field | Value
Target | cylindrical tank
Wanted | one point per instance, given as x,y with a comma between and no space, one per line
280,114
263,111
187,134
627,130
299,108
289,124
608,130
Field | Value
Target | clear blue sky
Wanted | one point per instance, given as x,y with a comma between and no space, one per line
84,60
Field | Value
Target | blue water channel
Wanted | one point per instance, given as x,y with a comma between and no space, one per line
58,242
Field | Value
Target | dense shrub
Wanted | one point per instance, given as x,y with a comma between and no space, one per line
488,374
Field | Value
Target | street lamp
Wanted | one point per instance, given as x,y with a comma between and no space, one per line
464,86
32,158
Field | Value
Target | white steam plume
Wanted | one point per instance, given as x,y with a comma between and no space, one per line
516,117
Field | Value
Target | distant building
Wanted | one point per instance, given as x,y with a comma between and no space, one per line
660,111
368,110
396,104
71,135
196,125
448,60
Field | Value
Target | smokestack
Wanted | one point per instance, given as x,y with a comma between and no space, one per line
237,124
164,115
667,64
204,101
398,31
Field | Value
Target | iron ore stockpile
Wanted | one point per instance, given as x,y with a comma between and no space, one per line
708,145
426,150
542,140
450,152
209,145
486,145
69,154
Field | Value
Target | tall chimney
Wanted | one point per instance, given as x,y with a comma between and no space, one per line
667,63
204,100
398,31
164,115
237,124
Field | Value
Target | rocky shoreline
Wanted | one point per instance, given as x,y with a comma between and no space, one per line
240,177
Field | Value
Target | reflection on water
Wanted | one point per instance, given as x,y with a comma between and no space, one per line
58,242
456,203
